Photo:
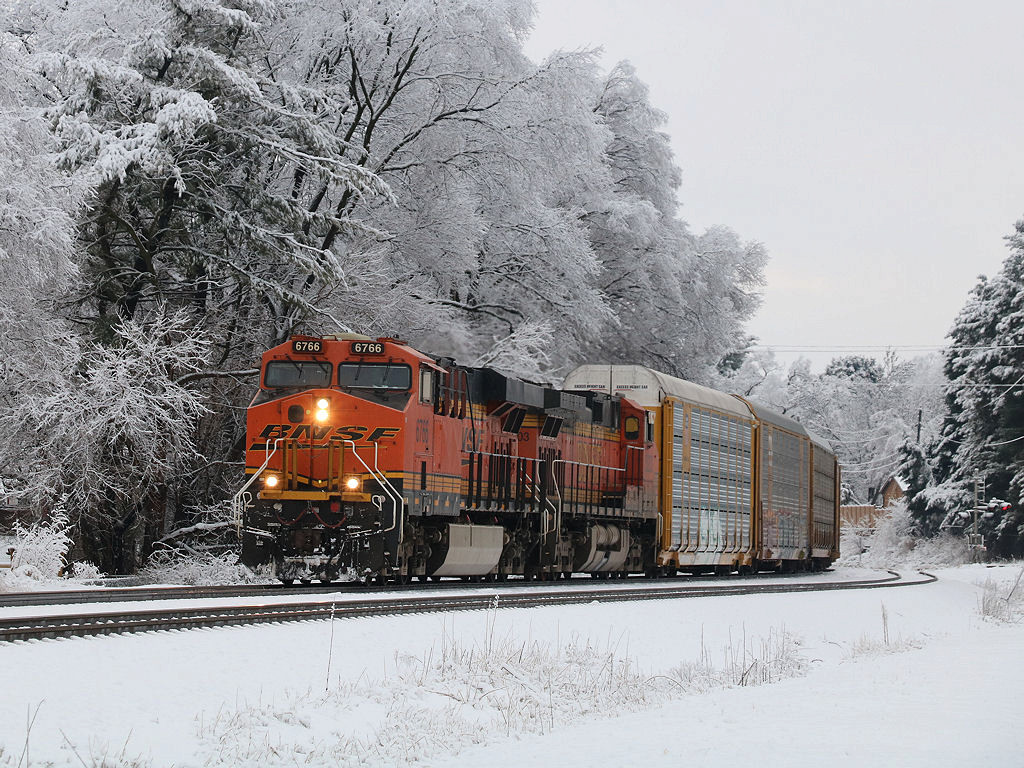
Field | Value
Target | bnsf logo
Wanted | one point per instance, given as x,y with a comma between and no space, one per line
313,433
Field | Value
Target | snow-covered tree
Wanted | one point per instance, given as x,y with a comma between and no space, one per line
865,409
106,441
38,205
208,164
981,436
251,168
679,300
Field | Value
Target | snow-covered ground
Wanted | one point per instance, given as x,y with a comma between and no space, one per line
907,676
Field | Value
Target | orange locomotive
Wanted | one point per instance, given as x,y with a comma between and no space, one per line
368,459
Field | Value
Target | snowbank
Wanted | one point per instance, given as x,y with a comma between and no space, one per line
646,682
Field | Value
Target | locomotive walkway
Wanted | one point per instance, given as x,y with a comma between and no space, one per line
358,602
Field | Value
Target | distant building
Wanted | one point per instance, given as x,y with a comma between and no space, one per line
860,515
895,488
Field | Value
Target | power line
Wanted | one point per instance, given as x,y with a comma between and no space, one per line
875,347
888,468
874,463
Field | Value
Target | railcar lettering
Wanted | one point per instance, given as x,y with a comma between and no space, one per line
351,433
274,431
367,348
308,346
308,431
318,434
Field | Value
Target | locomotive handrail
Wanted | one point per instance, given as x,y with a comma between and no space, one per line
558,491
238,506
639,466
397,519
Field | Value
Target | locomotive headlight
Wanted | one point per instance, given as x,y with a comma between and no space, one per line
270,481
321,415
352,483
323,403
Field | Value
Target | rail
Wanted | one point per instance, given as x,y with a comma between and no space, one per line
378,604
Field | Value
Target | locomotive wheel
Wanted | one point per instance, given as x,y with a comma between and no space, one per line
287,582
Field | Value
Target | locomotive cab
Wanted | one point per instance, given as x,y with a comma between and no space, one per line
324,452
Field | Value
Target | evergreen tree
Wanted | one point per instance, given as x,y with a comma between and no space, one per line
983,433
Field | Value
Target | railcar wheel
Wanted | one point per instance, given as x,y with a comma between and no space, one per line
287,582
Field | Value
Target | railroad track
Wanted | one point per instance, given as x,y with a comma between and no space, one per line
131,594
134,594
480,598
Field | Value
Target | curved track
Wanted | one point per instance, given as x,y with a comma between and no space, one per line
477,598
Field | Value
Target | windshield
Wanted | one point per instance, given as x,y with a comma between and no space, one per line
292,373
375,375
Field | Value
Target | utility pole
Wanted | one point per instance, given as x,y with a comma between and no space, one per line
919,414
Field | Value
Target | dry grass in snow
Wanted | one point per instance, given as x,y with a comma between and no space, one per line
1001,602
460,695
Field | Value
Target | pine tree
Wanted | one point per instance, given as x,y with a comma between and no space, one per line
983,433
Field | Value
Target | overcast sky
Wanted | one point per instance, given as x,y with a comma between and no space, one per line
875,148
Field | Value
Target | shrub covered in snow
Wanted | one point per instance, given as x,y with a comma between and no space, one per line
180,565
893,544
40,555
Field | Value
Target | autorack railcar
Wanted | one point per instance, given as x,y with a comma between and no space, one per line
368,459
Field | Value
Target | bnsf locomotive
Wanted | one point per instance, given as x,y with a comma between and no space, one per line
368,459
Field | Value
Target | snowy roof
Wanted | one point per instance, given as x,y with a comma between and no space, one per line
649,388
900,482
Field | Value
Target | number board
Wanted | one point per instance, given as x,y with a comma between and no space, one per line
308,346
367,348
